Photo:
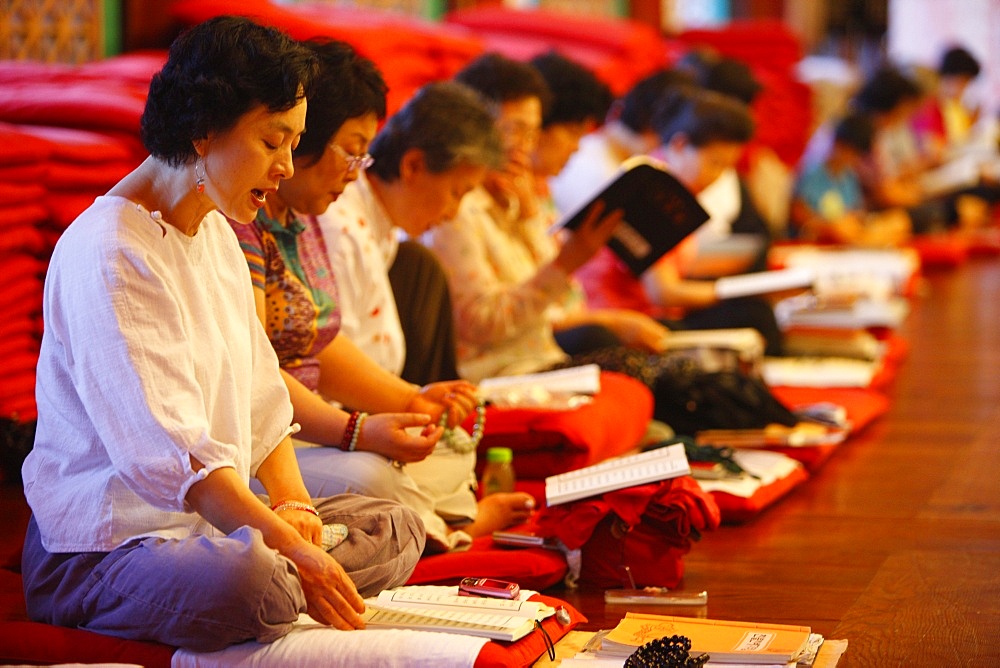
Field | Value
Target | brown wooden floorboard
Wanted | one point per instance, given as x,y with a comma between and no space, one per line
894,545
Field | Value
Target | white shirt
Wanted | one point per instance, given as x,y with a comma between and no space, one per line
503,290
152,353
362,242
722,200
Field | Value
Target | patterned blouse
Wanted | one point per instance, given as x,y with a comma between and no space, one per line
290,264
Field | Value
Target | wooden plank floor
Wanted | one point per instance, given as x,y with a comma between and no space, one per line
894,545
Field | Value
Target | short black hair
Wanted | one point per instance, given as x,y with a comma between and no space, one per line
499,79
722,74
885,90
703,116
216,72
577,94
448,122
855,130
957,61
636,107
347,86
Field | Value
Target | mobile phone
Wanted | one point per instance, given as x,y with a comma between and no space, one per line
488,587
521,539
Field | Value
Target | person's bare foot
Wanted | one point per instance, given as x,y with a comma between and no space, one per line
499,511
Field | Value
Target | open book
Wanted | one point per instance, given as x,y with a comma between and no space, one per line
762,282
659,464
658,212
724,641
556,389
433,608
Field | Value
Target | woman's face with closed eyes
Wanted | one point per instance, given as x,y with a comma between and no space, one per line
433,198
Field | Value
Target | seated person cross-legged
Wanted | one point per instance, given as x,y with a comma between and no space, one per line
159,396
397,452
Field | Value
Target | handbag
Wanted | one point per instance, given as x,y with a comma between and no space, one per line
631,537
691,400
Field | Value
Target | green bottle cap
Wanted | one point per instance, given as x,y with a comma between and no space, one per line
500,455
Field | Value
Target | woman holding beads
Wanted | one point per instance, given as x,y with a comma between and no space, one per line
159,396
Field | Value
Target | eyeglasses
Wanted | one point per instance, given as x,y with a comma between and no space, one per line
359,162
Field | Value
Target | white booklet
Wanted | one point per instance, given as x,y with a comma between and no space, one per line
660,464
762,282
435,608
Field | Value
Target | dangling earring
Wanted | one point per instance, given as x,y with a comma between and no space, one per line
199,173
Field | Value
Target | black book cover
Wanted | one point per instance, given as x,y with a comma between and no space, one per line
659,212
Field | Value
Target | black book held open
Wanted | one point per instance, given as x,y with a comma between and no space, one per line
658,212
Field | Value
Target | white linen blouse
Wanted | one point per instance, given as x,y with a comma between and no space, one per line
152,353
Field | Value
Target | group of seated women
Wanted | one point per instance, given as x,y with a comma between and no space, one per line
250,390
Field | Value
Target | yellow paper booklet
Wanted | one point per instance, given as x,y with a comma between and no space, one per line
433,608
723,641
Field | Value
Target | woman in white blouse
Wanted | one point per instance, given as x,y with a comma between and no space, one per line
159,395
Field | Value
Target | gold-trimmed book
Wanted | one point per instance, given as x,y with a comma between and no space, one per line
724,641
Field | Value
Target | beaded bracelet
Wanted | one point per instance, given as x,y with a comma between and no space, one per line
357,432
345,440
294,505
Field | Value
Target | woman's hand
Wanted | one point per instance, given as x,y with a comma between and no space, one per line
331,595
386,434
634,329
309,526
457,397
584,241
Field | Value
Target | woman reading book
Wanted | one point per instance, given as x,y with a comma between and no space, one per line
702,134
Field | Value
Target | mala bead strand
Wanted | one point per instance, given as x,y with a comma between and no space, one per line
478,429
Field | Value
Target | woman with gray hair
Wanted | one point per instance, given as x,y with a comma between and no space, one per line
429,154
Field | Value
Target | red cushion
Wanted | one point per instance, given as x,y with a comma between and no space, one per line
532,568
18,148
618,51
28,213
940,250
737,509
79,104
863,405
23,239
549,442
527,650
88,146
27,172
21,193
32,642
66,205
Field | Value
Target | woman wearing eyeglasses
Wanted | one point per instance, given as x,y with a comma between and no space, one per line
298,302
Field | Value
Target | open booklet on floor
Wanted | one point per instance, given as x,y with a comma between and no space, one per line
660,464
438,608
726,642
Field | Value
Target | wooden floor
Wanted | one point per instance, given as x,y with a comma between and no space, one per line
894,545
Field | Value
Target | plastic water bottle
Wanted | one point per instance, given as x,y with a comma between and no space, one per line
498,476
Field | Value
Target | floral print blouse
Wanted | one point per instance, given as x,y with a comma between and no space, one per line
290,264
